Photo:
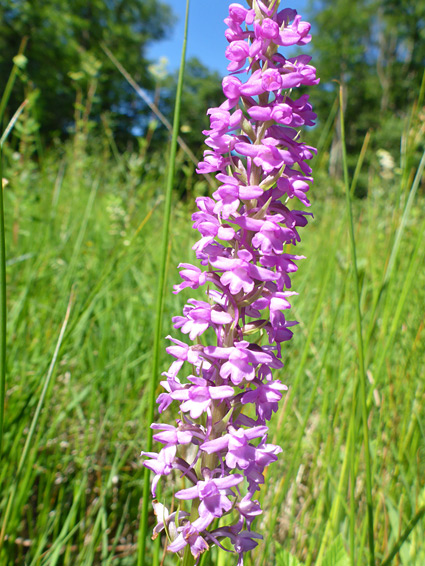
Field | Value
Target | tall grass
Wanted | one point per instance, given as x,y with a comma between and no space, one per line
159,310
81,225
3,313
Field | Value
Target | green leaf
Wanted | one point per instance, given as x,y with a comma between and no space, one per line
336,554
285,558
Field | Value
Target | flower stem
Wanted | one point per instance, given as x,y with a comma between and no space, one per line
141,555
188,559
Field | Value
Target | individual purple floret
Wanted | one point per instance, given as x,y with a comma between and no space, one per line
227,390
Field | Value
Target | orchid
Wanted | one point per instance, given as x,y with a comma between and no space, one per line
229,393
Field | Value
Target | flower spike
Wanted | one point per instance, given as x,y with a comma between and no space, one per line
230,390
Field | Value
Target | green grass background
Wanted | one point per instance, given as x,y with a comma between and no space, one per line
83,231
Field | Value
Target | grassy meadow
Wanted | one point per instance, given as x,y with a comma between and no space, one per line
83,226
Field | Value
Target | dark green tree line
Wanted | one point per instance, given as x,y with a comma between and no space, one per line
65,62
376,50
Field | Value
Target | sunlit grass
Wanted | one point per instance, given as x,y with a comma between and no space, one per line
80,226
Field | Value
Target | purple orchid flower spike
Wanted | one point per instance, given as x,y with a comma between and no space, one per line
228,390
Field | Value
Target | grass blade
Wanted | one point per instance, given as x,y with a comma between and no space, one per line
28,442
141,555
406,212
3,314
387,561
11,80
362,369
12,122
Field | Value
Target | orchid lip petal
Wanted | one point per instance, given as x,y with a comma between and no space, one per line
215,445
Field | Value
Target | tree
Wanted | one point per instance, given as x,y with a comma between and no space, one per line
202,90
65,56
401,59
376,50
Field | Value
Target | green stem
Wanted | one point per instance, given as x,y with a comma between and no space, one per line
3,313
141,555
188,559
387,561
11,81
353,478
362,370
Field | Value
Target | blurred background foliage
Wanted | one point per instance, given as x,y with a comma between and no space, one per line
64,56
375,48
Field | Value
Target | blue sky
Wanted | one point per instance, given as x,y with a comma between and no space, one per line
206,33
